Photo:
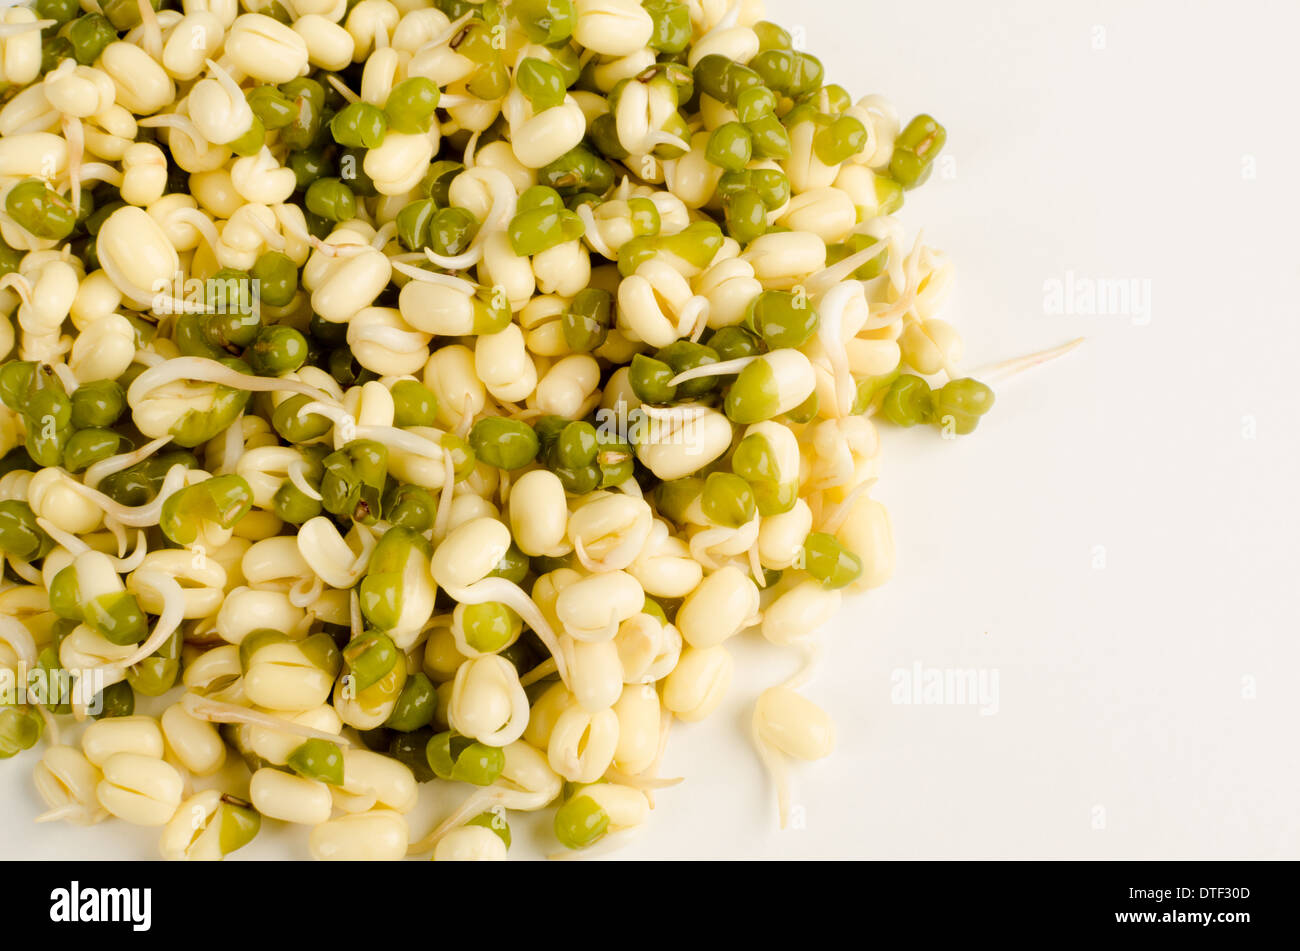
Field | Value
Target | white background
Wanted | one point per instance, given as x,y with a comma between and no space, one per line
1117,541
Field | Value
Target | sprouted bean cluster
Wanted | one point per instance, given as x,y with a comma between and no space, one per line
413,392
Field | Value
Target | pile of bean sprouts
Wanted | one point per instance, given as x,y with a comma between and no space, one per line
406,392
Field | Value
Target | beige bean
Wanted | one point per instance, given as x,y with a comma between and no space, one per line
470,844
826,212
665,567
612,27
353,284
638,715
380,835
626,807
141,790
276,746
698,683
569,387
195,743
246,610
582,743
266,49
67,782
501,361
467,554
142,85
782,259
487,701
595,672
213,670
794,724
719,608
867,533
103,350
134,734
648,649
136,254
930,346
781,537
538,513
280,795
372,779
592,608
798,612
684,440
546,136
191,834
546,712
610,529
329,46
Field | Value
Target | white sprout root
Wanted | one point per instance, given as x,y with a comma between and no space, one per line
446,36
75,812
834,518
772,759
137,516
1018,365
342,89
841,271
756,565
69,541
152,42
306,591
20,640
232,447
620,555
217,711
203,370
123,563
442,518
539,673
298,478
433,277
592,235
76,139
18,29
830,331
101,470
777,770
173,612
641,781
23,569
478,801
722,368
514,597
355,623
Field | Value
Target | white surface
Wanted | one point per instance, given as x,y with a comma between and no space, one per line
1123,727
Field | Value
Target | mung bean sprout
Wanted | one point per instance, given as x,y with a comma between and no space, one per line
426,391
